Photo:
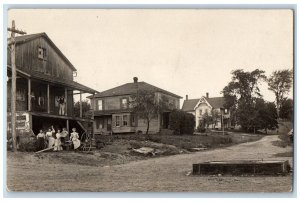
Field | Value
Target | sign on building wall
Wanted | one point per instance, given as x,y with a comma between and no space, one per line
22,122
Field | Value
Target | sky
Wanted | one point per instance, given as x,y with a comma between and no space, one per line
185,51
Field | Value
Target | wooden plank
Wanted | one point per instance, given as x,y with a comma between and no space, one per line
66,100
67,125
243,167
80,105
29,94
60,117
48,98
44,150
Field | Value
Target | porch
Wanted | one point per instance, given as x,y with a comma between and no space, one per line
35,93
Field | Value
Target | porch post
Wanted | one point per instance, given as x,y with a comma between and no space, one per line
67,126
29,94
48,98
66,100
93,109
93,106
80,104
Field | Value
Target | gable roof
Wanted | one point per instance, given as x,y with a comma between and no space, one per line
215,102
30,37
188,105
131,88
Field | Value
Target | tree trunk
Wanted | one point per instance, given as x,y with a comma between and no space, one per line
148,123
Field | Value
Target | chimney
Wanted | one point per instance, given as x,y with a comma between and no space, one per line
207,95
135,79
186,97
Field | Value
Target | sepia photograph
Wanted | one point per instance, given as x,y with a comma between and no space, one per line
188,100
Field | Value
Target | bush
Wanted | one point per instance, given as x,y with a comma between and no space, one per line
182,122
201,128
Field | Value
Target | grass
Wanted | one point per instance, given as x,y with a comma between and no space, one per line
211,140
283,142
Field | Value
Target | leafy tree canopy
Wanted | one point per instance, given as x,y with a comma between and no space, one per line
280,82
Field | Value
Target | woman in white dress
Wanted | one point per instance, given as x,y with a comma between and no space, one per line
75,139
57,143
49,136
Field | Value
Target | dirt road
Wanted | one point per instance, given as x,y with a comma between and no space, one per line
164,174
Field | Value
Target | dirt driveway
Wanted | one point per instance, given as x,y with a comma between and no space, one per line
164,174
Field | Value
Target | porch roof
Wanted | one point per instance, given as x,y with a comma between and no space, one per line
68,83
110,112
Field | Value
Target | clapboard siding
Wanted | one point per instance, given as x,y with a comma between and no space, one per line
111,103
154,126
53,65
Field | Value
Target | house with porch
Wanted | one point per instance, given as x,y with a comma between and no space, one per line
45,83
114,114
208,106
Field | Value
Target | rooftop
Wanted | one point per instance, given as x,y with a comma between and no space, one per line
131,88
215,102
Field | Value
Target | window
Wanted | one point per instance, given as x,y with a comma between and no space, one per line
206,111
200,111
20,95
118,121
42,53
125,120
132,120
124,103
225,111
100,105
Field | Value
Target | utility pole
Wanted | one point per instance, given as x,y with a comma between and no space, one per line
12,47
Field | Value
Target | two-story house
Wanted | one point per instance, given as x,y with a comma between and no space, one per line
44,76
205,106
114,114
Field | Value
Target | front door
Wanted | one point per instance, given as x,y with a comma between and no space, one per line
165,120
109,124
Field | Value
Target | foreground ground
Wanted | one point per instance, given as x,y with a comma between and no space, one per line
57,172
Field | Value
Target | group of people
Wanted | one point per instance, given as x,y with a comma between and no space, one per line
57,140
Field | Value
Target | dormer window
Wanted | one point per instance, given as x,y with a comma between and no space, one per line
42,53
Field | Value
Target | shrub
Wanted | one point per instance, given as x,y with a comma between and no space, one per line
201,127
182,122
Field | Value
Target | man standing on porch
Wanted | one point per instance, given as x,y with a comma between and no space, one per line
61,101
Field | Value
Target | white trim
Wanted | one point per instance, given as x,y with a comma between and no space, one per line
199,102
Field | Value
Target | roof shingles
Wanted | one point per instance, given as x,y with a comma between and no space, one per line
131,88
215,102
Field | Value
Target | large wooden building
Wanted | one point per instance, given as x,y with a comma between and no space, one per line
44,74
114,114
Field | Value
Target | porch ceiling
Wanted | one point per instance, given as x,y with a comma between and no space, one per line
61,117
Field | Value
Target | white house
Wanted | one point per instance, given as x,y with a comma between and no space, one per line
206,105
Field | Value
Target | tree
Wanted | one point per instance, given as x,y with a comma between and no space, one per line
147,106
265,115
86,109
280,82
240,95
215,117
182,122
286,110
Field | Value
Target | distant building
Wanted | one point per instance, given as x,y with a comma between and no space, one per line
113,114
44,87
206,106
